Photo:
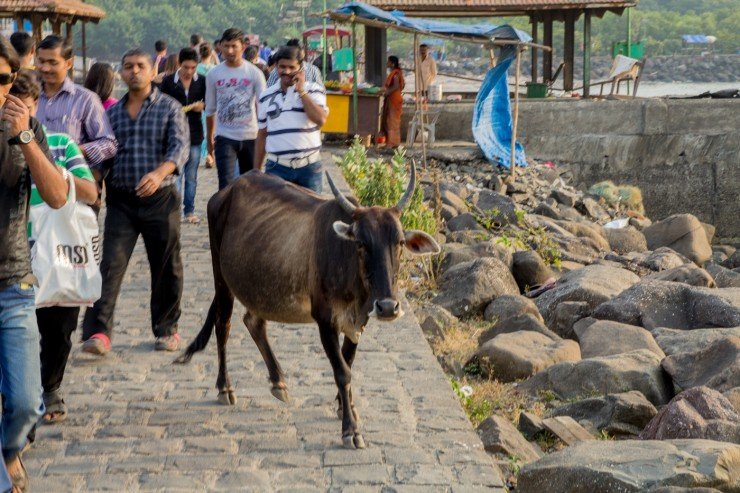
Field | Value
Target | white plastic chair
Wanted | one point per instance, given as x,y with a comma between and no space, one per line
428,126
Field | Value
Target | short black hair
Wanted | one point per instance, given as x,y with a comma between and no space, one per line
264,43
394,60
423,45
23,43
188,54
205,51
53,41
233,34
137,52
195,39
26,85
160,45
251,52
288,53
293,42
8,53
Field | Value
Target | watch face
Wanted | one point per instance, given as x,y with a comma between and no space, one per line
25,137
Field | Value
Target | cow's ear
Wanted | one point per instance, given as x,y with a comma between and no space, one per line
420,243
344,230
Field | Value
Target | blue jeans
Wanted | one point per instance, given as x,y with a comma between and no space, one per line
227,153
308,176
20,367
190,176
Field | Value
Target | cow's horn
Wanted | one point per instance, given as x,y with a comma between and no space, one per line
409,189
348,206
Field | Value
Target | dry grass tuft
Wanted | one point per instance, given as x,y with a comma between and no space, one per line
503,399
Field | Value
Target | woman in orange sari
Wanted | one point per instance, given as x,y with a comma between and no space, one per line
393,104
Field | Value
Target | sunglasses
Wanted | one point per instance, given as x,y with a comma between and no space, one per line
6,79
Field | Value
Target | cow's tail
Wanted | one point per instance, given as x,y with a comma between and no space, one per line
201,340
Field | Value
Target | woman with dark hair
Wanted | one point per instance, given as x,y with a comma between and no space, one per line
100,79
393,103
170,67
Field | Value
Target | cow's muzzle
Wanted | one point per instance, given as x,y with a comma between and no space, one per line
386,309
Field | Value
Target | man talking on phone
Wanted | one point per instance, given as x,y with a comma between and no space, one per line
290,115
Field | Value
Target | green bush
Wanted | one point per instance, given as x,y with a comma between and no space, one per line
378,182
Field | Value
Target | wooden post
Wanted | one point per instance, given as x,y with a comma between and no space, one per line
69,39
547,55
19,20
36,22
535,23
515,121
56,27
354,78
491,58
586,53
569,51
84,51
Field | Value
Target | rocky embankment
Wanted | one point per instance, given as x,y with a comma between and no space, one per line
627,330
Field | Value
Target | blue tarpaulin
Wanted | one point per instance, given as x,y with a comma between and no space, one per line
697,39
492,123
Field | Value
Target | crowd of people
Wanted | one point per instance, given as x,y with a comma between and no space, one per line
237,106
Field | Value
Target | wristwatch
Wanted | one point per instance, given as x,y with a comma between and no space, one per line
25,137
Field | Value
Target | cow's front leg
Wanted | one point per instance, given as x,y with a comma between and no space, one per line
349,349
351,436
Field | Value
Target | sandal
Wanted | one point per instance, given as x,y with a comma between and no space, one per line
192,219
55,408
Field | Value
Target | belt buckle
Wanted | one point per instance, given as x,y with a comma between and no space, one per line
293,162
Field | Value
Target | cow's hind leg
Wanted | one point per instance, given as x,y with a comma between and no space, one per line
225,299
351,436
257,328
349,349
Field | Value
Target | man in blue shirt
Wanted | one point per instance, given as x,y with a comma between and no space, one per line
142,200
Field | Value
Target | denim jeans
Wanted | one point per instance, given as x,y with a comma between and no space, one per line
190,177
227,153
309,176
20,367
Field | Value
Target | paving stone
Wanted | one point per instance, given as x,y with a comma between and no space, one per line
140,423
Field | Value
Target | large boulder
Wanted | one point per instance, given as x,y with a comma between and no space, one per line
687,274
464,222
526,322
509,306
696,413
467,288
717,366
604,338
624,414
633,466
593,284
587,230
682,233
499,208
662,258
519,355
499,436
653,304
567,315
529,270
457,253
625,240
638,370
434,320
674,341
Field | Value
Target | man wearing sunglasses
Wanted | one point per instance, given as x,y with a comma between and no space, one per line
24,153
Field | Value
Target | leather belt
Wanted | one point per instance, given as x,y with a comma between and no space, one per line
294,162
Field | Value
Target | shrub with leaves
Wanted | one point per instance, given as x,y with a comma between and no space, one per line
382,183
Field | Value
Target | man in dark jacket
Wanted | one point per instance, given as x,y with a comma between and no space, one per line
190,91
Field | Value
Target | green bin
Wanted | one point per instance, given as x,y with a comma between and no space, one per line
637,49
536,90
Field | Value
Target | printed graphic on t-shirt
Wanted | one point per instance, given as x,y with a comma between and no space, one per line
235,104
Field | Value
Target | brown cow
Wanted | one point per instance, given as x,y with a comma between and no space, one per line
291,256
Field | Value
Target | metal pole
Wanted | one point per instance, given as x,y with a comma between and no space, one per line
323,42
515,123
354,78
629,32
586,53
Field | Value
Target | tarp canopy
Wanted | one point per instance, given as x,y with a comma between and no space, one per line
475,32
330,31
701,39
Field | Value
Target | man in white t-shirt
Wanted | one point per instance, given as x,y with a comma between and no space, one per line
291,113
232,88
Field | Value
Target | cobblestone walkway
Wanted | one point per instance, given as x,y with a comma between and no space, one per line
139,423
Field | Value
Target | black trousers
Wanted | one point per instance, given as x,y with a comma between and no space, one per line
56,324
157,219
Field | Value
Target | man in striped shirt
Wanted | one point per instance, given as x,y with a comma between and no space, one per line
290,116
56,324
70,108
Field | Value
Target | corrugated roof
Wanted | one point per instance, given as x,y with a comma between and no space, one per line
496,6
76,8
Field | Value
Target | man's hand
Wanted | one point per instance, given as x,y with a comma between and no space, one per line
198,107
149,184
16,114
210,146
300,81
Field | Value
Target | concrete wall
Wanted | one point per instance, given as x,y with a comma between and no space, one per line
683,154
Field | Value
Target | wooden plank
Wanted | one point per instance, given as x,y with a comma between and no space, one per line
567,429
547,55
569,51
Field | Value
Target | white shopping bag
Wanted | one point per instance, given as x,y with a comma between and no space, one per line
66,253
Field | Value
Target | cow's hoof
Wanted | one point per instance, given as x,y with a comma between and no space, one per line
280,394
227,397
353,441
